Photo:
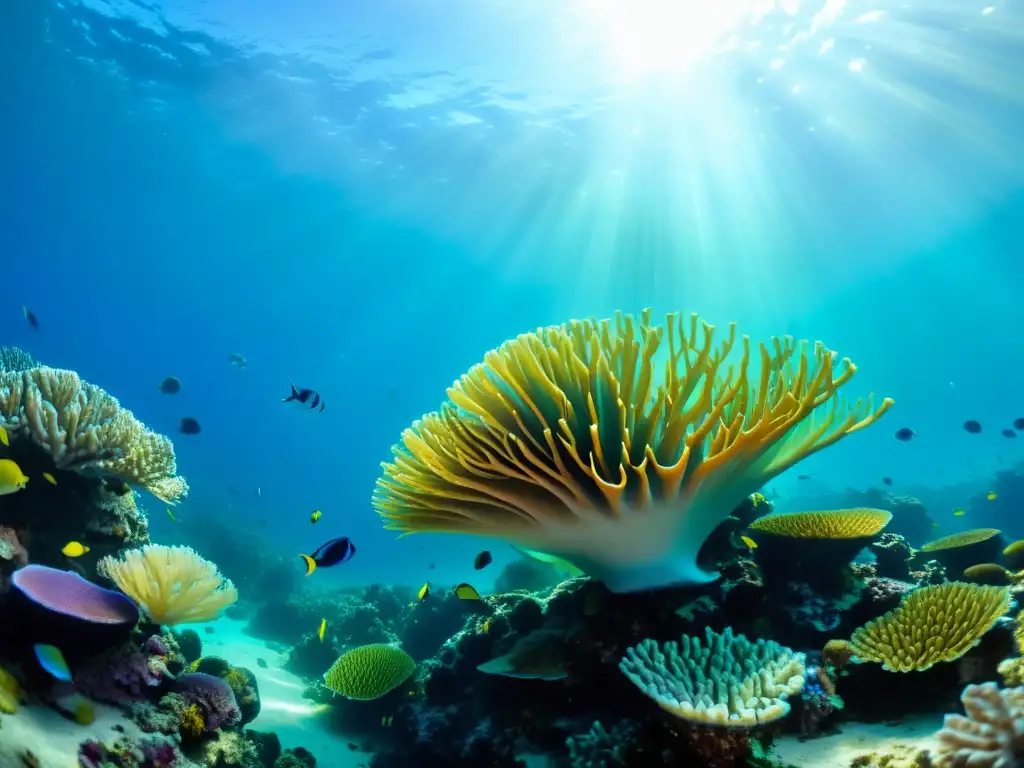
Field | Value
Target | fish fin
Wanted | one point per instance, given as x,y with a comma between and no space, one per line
310,564
293,396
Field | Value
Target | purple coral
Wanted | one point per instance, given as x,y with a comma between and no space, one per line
67,593
149,752
125,675
214,697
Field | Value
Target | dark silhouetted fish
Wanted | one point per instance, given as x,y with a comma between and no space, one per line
237,360
307,398
189,426
1009,433
482,560
905,434
887,480
972,426
170,386
334,552
30,316
1018,424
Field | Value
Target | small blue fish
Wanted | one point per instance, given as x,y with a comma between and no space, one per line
334,552
52,660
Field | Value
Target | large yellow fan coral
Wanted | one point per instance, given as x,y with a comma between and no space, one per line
86,430
572,440
172,585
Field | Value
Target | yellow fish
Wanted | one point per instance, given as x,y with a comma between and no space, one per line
74,549
749,542
12,479
322,630
171,515
485,627
424,591
992,496
317,514
466,592
49,478
758,499
4,439
958,513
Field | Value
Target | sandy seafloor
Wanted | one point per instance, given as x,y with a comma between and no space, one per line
54,740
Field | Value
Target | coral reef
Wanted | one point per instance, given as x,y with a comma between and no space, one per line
960,551
173,585
991,735
562,441
126,674
13,360
369,671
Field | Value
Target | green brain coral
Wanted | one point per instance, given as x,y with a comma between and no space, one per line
836,524
933,624
369,671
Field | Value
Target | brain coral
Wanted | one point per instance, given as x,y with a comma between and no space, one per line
932,624
962,539
85,429
592,442
727,680
836,524
369,671
990,736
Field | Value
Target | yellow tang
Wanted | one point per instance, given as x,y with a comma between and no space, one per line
317,514
992,496
424,591
323,628
4,438
749,542
74,549
12,479
49,478
958,513
466,592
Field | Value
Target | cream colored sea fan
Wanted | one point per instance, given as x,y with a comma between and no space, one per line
85,429
172,585
574,442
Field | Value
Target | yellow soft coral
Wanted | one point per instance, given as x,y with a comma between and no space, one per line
173,585
931,625
191,723
85,429
573,441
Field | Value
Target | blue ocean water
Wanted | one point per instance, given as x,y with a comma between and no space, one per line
365,198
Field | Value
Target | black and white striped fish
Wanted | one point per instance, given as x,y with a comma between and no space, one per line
305,397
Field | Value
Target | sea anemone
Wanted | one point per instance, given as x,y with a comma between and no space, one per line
573,441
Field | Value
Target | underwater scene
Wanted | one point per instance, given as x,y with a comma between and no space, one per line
512,384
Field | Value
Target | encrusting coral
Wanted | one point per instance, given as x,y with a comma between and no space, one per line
172,585
573,441
726,680
990,736
932,624
86,430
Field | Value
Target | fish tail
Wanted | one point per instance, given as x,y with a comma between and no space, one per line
310,564
293,396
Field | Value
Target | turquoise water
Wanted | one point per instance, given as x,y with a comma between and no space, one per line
365,198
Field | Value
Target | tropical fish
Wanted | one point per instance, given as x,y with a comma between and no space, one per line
887,480
171,515
992,496
74,549
482,560
1009,433
170,386
49,478
751,544
564,567
972,426
958,513
237,360
333,552
306,397
323,628
189,426
905,434
52,660
757,500
466,592
4,439
424,592
12,479
317,514
30,316
1018,424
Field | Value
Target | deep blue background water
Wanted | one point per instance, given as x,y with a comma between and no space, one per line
367,199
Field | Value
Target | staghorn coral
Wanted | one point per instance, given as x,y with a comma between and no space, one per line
573,441
726,680
834,524
369,671
86,430
13,359
933,624
173,585
990,736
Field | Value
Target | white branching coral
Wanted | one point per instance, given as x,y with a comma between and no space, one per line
992,733
172,585
85,429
